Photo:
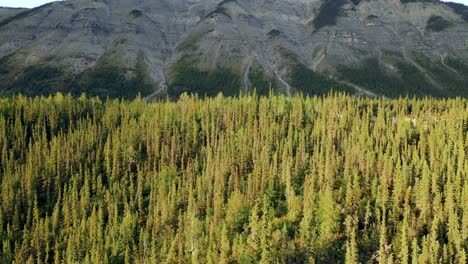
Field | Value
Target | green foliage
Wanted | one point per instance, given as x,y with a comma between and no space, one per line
260,81
233,180
33,80
187,78
454,82
328,14
105,79
111,81
457,64
5,65
22,14
460,9
419,1
274,33
409,80
306,81
437,24
135,13
189,44
219,10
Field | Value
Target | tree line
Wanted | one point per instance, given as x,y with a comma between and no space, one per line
334,179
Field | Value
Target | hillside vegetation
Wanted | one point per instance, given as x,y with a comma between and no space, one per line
250,179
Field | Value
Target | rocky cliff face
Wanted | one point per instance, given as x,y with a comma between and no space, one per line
160,47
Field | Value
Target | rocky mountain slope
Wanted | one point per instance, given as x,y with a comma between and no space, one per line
165,47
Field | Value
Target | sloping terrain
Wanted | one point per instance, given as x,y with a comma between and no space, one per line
9,12
121,48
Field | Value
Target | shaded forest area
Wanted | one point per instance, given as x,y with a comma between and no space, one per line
251,179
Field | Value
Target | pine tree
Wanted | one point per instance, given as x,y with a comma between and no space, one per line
333,179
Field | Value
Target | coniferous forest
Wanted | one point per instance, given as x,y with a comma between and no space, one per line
333,179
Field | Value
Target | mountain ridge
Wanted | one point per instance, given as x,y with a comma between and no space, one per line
121,48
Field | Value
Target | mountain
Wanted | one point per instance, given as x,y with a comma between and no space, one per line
120,48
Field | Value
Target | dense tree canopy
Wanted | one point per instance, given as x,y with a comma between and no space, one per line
233,180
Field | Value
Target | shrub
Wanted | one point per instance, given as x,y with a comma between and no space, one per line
437,24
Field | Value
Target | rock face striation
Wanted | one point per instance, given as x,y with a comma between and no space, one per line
166,47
